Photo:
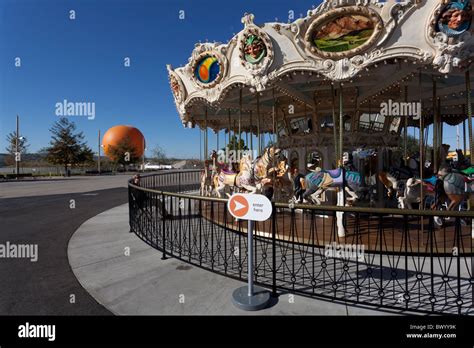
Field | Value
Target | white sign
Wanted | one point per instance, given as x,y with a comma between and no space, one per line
250,207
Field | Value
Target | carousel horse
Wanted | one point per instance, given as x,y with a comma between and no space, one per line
411,192
252,175
283,181
395,178
456,186
452,189
317,182
206,180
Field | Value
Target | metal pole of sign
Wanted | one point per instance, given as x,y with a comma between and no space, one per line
250,256
250,297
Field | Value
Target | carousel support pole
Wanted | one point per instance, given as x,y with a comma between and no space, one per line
341,191
405,132
421,143
435,128
206,134
469,115
273,118
441,161
217,140
200,144
341,124
235,142
334,121
464,131
251,134
240,117
258,125
230,127
356,114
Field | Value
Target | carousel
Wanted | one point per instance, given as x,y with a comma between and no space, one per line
336,99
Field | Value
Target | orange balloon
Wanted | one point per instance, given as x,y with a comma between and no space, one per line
117,134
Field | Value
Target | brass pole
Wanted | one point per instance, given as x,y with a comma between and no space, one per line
341,123
334,121
240,118
435,127
469,115
258,125
251,132
464,130
206,134
405,132
273,117
421,146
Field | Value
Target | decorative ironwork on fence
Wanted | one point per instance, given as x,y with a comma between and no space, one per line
389,258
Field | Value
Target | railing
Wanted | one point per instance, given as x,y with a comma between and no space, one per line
390,258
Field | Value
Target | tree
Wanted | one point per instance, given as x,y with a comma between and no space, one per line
123,153
66,146
413,146
235,144
11,148
159,154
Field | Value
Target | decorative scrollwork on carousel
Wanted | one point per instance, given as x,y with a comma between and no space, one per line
256,49
208,68
343,32
177,86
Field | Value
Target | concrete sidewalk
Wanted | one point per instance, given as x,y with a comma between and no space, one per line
140,283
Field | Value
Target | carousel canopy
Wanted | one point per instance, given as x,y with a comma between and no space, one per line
345,56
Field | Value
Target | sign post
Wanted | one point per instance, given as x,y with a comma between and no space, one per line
250,207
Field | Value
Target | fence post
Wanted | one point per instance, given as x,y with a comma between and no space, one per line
163,214
130,203
274,288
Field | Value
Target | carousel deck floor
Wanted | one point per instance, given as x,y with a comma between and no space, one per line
375,233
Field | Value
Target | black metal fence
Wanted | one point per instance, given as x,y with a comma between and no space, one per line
388,257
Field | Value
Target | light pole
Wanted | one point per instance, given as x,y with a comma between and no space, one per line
17,145
98,158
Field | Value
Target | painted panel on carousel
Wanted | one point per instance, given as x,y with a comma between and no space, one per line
207,69
179,92
255,49
344,32
455,18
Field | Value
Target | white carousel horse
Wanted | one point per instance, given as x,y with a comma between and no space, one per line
206,181
252,175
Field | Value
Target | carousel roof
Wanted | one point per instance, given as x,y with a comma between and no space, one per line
365,50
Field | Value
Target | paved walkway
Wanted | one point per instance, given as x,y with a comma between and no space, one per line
128,277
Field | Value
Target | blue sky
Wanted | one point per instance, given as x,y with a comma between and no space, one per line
82,60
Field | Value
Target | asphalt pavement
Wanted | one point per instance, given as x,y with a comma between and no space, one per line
48,286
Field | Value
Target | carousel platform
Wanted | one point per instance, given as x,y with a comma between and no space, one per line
376,233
